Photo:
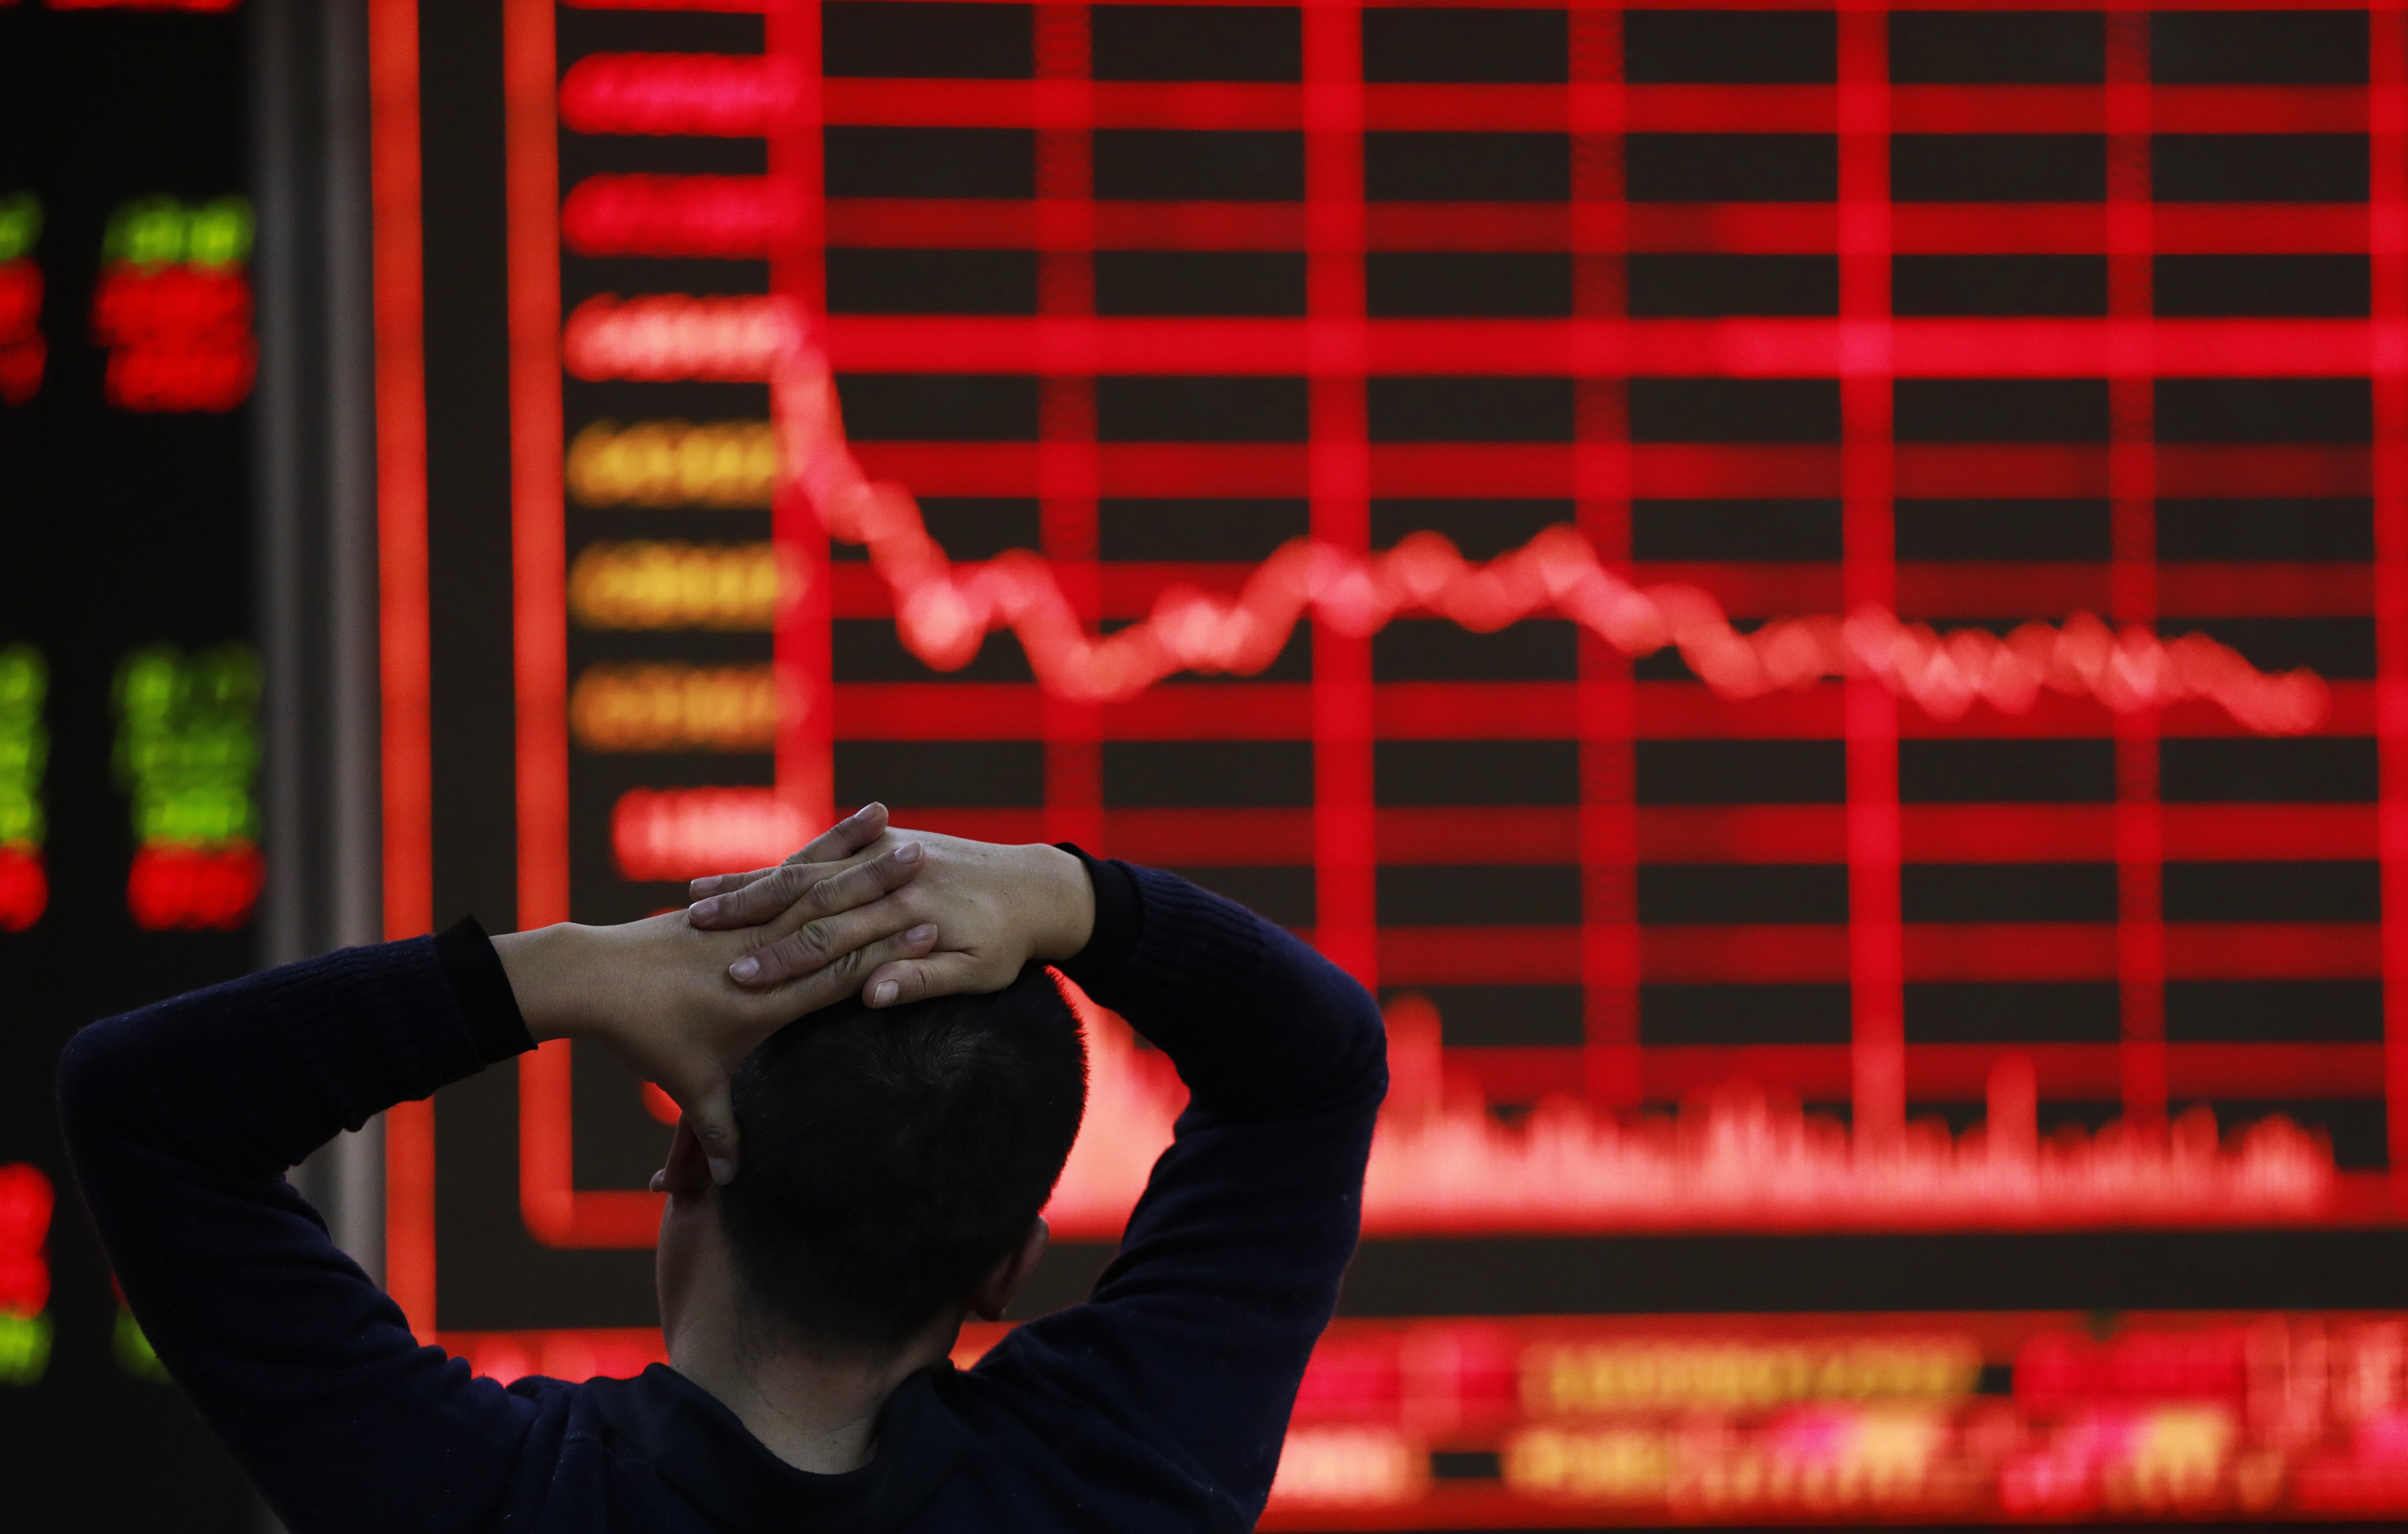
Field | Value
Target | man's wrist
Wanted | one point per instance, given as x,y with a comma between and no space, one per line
544,969
1071,907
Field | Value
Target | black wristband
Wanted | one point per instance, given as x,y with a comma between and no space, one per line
482,989
1120,916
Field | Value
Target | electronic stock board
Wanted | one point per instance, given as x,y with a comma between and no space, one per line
1814,598
129,861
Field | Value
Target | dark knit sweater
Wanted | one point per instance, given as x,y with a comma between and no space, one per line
1159,1404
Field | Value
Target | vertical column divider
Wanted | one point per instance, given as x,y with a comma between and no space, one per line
1869,578
2132,488
1608,696
2388,250
1068,469
1338,471
803,657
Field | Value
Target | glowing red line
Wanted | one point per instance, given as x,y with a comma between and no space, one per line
402,648
942,616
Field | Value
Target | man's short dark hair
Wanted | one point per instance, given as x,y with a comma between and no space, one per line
891,1158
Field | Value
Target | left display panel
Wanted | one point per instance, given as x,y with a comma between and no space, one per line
129,684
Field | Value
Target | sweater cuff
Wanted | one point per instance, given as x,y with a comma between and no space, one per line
1119,918
482,989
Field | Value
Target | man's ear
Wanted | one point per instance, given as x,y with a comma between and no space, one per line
990,1300
688,1171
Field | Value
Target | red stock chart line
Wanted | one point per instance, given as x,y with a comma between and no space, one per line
1684,547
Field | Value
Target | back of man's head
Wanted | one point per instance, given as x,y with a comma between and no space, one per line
892,1158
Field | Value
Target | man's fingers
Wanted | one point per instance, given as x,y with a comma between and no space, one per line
808,890
720,883
833,845
712,1119
846,836
834,982
918,979
823,942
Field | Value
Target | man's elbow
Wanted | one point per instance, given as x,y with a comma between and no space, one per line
93,1078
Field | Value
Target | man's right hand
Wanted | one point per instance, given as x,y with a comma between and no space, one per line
995,908
659,993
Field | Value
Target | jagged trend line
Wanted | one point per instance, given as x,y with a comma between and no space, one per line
944,612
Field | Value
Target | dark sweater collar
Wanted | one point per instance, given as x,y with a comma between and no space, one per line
698,1447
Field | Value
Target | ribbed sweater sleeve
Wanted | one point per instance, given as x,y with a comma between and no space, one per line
1197,1334
180,1122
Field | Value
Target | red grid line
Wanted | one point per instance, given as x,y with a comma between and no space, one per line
1868,473
1338,460
1545,109
2131,474
1738,228
2387,248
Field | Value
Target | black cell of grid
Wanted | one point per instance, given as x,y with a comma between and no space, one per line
1793,1013
2336,528
1466,1464
1231,531
1435,650
664,154
1197,42
2003,529
2356,1126
869,650
585,31
1473,409
2013,1013
1736,529
1997,47
1743,771
941,774
1734,411
2000,409
2316,770
931,162
2006,771
2258,167
1170,774
1478,895
865,281
979,526
1499,46
1729,48
2337,649
1276,893
2257,48
1477,167
1174,165
2323,891
1684,286
1200,410
1480,529
1451,772
1731,168
1199,282
2007,892
1998,168
1406,284
1506,1015
933,41
2265,410
2308,285
2275,1012
938,406
1998,284
1742,894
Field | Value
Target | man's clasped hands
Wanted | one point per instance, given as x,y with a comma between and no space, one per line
892,915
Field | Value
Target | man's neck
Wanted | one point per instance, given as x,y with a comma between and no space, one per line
816,1414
